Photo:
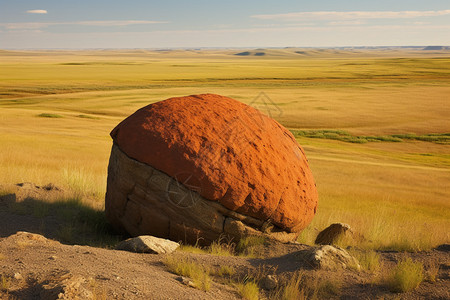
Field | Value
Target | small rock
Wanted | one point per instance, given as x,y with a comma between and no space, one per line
332,233
26,185
53,257
51,187
329,257
18,276
269,282
443,248
148,244
186,281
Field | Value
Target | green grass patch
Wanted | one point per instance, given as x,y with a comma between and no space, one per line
88,117
48,115
438,138
344,136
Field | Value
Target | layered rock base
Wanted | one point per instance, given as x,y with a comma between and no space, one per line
142,200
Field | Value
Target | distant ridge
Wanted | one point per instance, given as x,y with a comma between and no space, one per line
247,53
436,48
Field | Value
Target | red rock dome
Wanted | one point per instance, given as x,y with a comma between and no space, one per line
239,157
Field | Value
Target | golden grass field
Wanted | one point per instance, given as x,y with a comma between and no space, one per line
58,107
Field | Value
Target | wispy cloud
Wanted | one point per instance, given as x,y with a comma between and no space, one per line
351,15
37,25
116,23
347,22
37,11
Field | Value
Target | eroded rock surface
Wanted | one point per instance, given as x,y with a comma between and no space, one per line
329,257
148,244
333,233
186,167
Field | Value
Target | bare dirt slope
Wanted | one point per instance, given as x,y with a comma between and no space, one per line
48,264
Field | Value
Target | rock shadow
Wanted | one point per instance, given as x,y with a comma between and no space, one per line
68,221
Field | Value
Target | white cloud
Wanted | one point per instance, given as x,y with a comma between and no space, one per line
352,15
37,25
347,23
37,11
115,23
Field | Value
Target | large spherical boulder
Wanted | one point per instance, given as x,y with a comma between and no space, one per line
204,165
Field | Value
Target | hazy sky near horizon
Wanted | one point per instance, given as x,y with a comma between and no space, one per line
32,24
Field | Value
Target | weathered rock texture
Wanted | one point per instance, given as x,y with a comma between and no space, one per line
148,244
333,233
200,166
329,257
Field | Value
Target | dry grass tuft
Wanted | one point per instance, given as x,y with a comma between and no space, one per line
291,290
406,276
248,290
192,249
369,260
5,283
221,248
247,245
225,271
184,267
431,272
299,286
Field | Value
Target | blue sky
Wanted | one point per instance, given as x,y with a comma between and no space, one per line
30,24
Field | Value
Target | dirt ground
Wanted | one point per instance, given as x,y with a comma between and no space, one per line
39,261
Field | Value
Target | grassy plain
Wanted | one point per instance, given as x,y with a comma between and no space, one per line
58,107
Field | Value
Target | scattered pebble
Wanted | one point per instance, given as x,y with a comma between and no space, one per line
186,281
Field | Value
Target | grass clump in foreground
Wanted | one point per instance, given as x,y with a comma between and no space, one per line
48,115
301,287
218,247
221,248
248,290
369,260
406,276
184,267
247,246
